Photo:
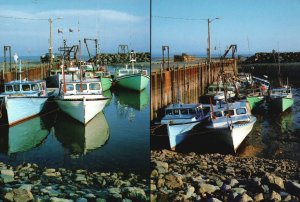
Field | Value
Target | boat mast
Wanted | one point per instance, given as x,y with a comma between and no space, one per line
64,77
132,59
20,67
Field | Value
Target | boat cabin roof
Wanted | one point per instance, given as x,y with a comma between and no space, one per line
23,82
230,106
183,106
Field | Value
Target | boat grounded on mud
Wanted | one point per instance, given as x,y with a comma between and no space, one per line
131,78
82,100
181,118
233,121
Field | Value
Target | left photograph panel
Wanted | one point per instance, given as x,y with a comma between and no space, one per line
74,100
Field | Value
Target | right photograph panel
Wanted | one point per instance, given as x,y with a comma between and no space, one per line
225,100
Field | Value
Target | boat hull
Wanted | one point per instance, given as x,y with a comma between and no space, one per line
281,104
254,101
19,109
82,109
135,82
106,83
234,136
179,132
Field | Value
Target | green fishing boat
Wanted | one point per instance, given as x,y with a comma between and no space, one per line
281,99
254,101
105,79
102,74
132,78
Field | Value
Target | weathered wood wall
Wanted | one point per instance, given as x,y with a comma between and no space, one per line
186,83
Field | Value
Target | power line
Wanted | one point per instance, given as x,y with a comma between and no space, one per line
177,18
22,18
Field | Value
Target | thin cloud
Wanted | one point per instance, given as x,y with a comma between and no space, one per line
104,14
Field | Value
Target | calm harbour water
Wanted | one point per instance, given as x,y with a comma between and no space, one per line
116,140
275,135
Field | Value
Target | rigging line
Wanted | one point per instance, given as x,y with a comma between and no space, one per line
176,18
22,18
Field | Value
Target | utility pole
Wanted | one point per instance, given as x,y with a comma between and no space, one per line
208,47
50,43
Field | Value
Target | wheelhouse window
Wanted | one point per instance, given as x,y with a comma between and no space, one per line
26,87
168,112
17,87
192,111
176,111
35,87
241,111
70,87
229,112
184,111
94,86
84,86
8,88
218,114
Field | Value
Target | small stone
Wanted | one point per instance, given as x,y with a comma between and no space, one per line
213,200
259,197
207,188
80,177
81,200
189,192
232,182
55,199
275,196
244,198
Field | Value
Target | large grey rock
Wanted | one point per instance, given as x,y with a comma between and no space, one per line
7,175
161,166
275,181
173,180
18,195
134,193
207,188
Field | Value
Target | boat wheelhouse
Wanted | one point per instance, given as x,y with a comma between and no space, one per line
232,121
82,100
181,118
280,99
23,100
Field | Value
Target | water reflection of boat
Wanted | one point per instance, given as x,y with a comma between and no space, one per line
134,99
24,136
80,139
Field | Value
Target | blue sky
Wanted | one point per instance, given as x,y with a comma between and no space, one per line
263,24
113,22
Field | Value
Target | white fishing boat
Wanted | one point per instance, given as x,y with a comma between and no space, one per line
82,100
22,100
181,118
132,78
232,121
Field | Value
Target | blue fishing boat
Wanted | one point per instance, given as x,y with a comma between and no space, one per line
181,118
22,100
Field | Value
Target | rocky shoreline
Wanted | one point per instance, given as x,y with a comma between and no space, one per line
29,182
216,177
